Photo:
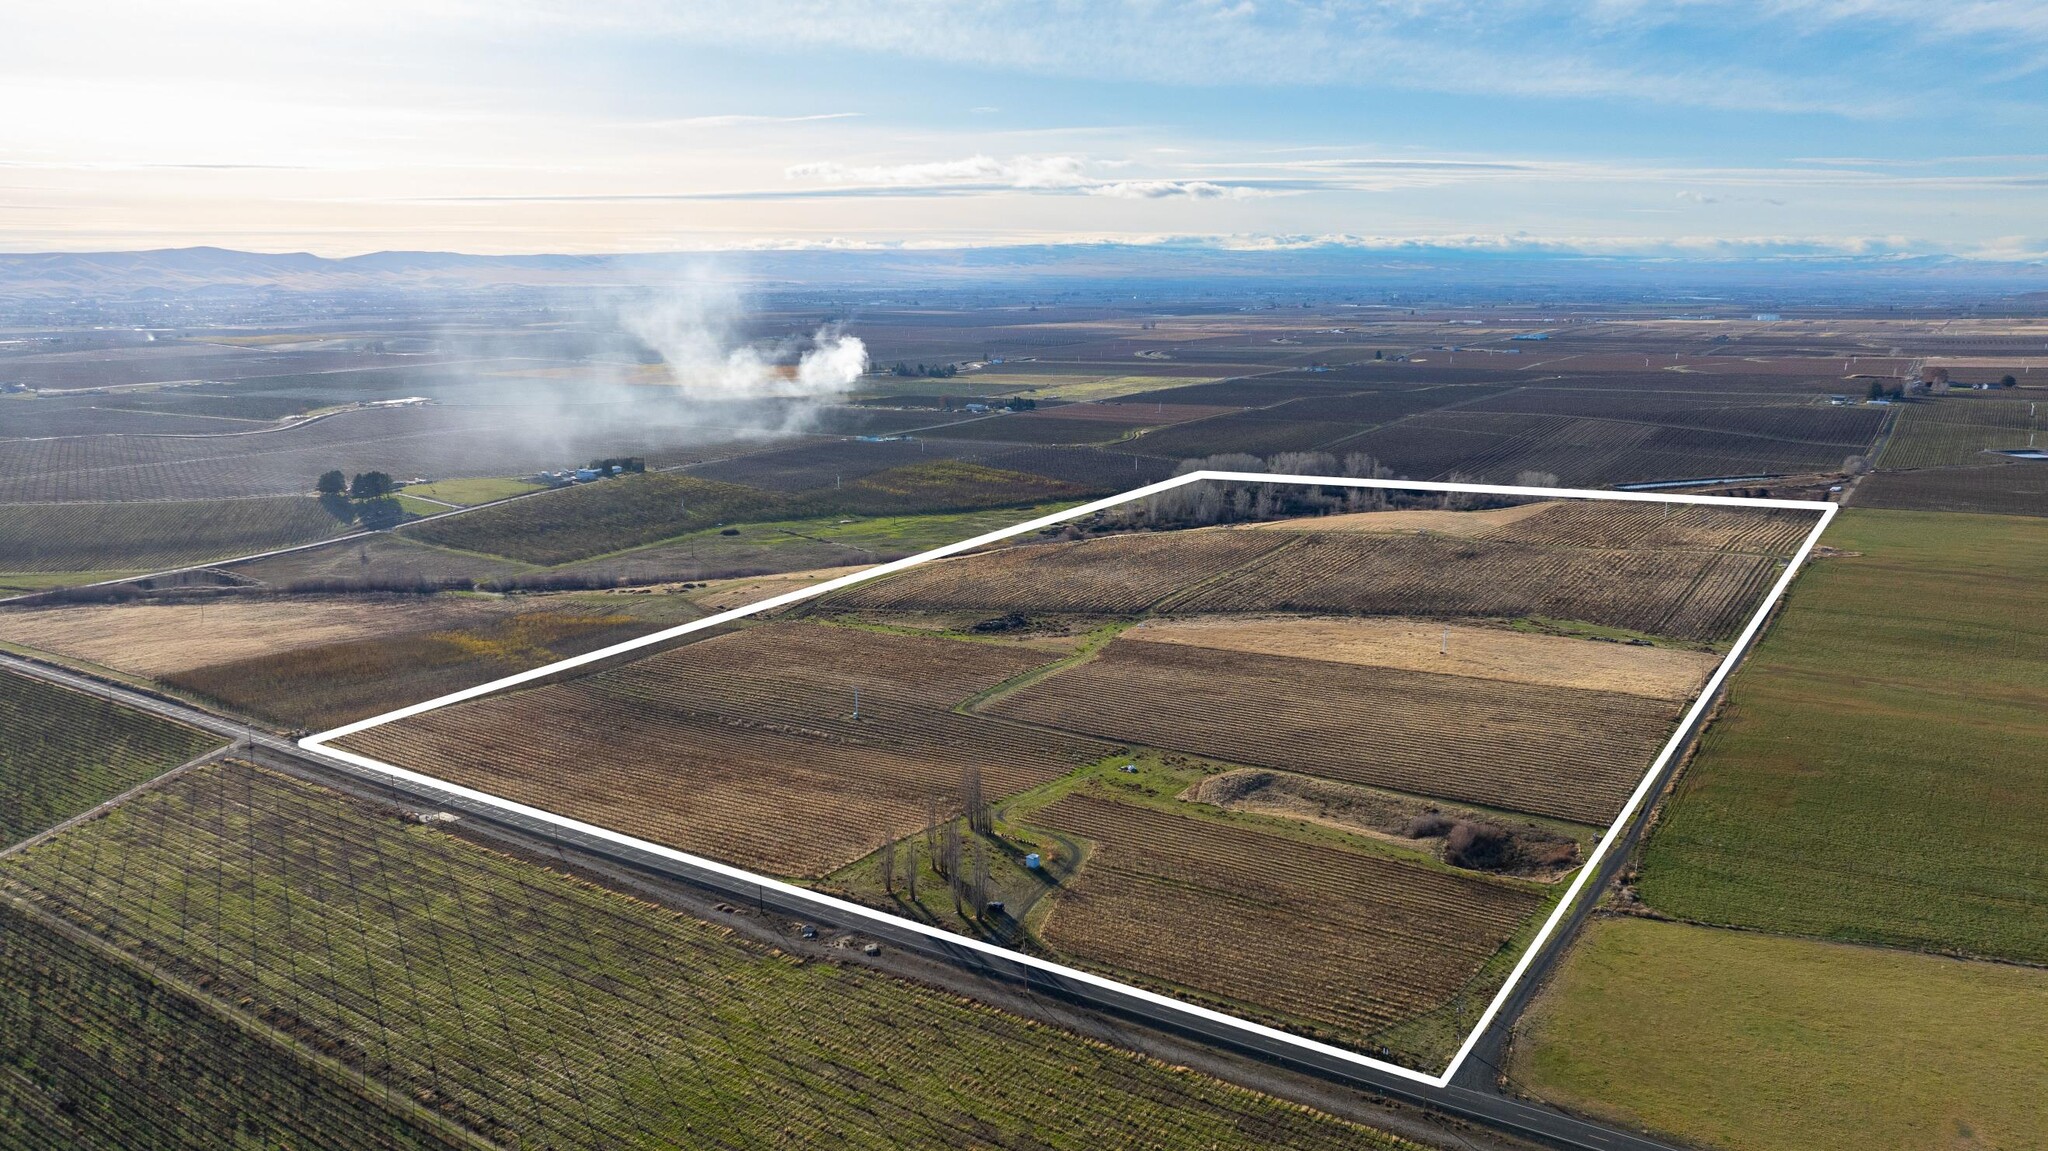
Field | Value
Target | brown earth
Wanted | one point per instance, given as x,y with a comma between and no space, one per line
156,639
1479,652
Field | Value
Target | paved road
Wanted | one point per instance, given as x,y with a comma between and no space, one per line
1472,1099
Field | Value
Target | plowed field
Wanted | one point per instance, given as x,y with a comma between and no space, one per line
1551,751
1350,941
744,747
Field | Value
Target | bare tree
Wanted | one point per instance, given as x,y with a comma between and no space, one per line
889,863
910,870
931,824
974,800
952,868
979,899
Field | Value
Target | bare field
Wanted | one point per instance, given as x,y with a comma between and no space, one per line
1699,596
153,639
1546,750
724,595
1686,527
745,747
1115,574
1348,942
1475,652
1454,523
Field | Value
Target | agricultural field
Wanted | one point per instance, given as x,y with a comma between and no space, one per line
2017,488
1569,753
1700,597
465,492
1463,650
1759,1043
63,752
1017,679
325,684
1254,921
1695,596
655,1029
1902,689
95,1054
1117,574
596,519
1956,431
691,748
1660,526
140,537
153,639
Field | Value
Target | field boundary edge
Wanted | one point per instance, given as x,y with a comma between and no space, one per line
1687,725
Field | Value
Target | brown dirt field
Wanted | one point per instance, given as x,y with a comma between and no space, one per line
1477,652
1640,526
1414,520
1688,595
1134,415
1573,755
743,747
1346,941
157,639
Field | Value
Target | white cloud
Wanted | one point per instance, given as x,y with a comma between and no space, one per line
741,119
1019,172
1174,189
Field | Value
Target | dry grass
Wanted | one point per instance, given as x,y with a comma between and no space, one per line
1413,520
1544,750
1477,652
724,595
744,747
155,639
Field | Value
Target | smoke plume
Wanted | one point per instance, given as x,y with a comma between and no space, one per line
695,329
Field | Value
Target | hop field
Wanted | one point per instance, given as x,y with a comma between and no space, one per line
103,537
62,752
524,1007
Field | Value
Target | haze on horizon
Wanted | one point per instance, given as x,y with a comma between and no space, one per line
1862,127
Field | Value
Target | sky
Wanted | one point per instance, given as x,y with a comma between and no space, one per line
1668,128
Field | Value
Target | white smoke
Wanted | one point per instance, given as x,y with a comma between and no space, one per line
696,330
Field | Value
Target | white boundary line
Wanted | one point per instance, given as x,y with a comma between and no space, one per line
319,743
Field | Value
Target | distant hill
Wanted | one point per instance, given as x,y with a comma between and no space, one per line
1320,268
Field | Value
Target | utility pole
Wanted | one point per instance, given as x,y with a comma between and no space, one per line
1444,645
856,703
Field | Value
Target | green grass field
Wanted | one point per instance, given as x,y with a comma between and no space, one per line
63,751
1758,1043
1881,771
472,491
539,1010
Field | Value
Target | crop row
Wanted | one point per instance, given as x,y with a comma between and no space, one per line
535,1009
1339,938
1958,430
62,751
1685,595
152,536
747,747
93,1055
1616,525
1125,573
